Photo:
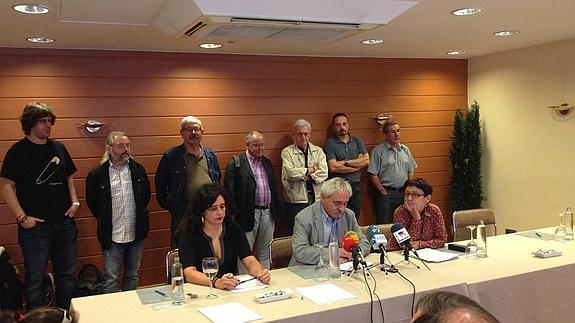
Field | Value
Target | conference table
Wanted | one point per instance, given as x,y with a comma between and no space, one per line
511,283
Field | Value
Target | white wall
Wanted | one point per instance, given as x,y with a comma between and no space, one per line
528,156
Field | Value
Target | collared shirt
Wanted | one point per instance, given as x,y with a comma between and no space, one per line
429,231
329,226
197,173
391,166
263,193
336,149
123,204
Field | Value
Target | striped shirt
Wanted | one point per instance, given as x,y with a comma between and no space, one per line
263,192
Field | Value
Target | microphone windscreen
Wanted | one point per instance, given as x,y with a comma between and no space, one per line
352,235
348,243
372,230
396,227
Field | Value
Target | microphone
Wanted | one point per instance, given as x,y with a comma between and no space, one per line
403,238
376,238
350,243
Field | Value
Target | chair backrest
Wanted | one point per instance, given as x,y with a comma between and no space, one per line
384,228
170,258
463,218
280,252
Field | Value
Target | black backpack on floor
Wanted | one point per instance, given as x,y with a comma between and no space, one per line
11,288
89,281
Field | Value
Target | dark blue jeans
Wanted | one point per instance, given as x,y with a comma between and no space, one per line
386,205
130,253
56,242
354,202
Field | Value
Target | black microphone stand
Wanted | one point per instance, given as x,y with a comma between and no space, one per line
385,267
406,257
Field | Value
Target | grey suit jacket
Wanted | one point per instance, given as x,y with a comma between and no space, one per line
308,231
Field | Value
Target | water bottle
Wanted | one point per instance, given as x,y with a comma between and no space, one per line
481,240
333,252
568,223
178,296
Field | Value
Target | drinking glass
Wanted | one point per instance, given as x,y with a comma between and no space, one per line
471,248
321,272
560,231
210,268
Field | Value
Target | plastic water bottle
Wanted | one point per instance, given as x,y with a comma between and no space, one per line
333,254
481,240
568,223
178,296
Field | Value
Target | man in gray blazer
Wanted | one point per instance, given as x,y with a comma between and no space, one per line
326,217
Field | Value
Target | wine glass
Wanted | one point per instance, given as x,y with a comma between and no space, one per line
560,231
471,248
321,272
210,268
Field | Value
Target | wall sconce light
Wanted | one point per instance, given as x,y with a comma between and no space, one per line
93,126
562,112
381,118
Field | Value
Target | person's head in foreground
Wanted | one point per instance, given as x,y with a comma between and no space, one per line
448,307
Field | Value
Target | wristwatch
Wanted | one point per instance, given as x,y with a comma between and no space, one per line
77,203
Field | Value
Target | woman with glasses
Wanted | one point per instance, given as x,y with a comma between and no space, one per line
423,220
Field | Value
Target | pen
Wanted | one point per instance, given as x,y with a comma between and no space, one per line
161,293
537,234
247,280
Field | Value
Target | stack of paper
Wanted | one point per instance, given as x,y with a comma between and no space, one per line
433,255
229,313
324,294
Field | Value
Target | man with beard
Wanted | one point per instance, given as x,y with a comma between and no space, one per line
184,169
117,193
390,166
38,186
346,157
326,220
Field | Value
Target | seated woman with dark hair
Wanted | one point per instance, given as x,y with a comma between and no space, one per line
207,231
423,220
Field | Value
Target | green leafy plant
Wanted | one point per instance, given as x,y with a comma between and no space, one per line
465,156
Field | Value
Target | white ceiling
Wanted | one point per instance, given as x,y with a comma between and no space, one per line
426,30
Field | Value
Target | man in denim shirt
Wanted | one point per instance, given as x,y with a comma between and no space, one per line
183,169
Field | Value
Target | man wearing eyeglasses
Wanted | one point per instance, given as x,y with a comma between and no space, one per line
390,166
184,169
253,198
38,186
117,193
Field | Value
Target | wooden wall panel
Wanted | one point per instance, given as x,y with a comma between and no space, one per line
147,94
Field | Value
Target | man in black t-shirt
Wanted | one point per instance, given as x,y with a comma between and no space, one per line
37,183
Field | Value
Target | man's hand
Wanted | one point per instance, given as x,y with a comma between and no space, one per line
71,213
30,222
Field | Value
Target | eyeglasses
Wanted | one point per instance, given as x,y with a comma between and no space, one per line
193,129
413,195
121,146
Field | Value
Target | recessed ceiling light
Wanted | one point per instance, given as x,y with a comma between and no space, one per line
466,11
40,40
32,9
211,45
457,52
506,33
372,41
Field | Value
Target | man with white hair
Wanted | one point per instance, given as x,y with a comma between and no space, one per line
184,169
304,169
322,221
117,193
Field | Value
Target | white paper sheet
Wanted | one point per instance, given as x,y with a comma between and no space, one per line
248,285
232,312
434,255
324,294
348,266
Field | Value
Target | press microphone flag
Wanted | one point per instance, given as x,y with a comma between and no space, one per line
377,239
400,234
